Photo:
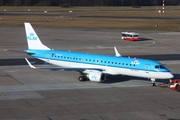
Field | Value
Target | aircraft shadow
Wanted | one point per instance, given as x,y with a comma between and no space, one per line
116,79
110,79
145,39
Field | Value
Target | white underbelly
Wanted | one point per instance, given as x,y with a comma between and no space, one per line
110,70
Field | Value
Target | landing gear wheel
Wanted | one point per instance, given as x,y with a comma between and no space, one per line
152,84
82,78
178,87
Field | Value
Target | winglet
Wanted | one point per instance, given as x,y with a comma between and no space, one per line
30,65
116,52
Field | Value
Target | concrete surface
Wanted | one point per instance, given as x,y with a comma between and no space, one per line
57,95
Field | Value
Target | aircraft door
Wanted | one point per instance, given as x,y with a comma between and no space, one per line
147,68
48,56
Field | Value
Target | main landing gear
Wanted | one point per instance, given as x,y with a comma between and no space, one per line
82,78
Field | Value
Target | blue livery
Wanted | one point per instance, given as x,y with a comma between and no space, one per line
93,67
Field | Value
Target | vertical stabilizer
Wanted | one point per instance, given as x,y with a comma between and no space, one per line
32,39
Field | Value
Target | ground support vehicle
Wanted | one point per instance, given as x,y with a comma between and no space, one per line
132,36
173,84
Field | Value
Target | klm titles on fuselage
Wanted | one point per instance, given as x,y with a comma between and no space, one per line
32,37
136,62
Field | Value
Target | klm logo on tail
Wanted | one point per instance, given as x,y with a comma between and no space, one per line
32,37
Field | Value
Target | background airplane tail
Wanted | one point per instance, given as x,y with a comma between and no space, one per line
32,39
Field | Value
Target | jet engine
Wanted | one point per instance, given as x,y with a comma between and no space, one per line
96,76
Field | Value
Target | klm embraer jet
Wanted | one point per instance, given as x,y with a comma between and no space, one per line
93,67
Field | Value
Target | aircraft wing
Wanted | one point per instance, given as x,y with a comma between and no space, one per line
62,68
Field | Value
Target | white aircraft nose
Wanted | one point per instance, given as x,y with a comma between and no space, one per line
169,75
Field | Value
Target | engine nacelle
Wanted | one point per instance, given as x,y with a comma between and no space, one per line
96,76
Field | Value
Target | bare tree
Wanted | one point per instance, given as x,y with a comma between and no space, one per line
17,2
28,2
89,2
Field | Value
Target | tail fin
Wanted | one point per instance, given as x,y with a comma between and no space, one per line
32,39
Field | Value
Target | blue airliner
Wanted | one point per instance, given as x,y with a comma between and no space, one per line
93,67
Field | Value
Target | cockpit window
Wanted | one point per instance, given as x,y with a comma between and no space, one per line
159,66
156,66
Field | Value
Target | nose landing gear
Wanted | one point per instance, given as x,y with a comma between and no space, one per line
153,82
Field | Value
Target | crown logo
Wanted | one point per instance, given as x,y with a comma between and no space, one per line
31,34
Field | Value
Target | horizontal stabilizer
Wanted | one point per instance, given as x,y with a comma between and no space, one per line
30,65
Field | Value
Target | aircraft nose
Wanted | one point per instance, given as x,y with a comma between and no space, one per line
169,75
